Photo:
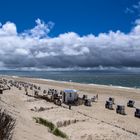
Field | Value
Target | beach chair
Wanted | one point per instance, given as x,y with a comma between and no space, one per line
120,109
137,113
1,91
87,102
57,102
93,99
35,93
130,103
109,105
31,88
84,97
44,91
112,100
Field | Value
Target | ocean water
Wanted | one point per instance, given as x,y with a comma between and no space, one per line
124,79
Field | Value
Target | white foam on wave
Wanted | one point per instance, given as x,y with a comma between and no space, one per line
15,76
121,87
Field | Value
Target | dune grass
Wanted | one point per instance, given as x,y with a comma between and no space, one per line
7,124
53,129
58,132
44,122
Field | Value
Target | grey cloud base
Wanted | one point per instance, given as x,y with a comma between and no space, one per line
35,49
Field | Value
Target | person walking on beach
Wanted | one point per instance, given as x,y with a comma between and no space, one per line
69,106
97,96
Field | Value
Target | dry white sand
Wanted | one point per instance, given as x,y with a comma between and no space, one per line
80,123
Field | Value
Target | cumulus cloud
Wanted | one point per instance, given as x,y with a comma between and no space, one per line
40,30
34,49
8,29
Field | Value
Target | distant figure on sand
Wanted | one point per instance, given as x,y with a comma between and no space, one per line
97,96
69,106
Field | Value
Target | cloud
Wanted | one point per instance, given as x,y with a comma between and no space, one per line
34,49
8,29
40,30
137,22
128,10
133,9
136,6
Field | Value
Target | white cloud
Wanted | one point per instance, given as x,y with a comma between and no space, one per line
137,21
8,29
35,49
21,51
40,30
134,9
128,10
136,6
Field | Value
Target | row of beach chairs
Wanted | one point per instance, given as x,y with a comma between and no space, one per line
120,109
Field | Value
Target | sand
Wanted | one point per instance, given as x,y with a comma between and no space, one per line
80,123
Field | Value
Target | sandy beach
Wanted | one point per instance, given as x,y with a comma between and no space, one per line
85,123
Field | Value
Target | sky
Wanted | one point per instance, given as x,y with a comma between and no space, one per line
42,34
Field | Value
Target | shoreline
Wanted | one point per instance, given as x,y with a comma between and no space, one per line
130,93
66,82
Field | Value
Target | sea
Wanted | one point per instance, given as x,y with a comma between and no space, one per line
111,78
